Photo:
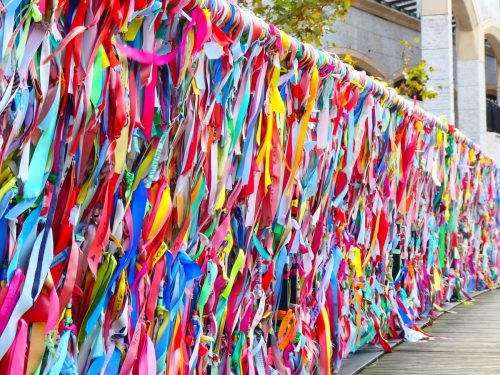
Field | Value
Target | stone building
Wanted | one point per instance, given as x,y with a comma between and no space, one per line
460,39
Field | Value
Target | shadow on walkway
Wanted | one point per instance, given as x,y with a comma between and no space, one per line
465,341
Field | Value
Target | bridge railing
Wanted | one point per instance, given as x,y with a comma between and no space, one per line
211,194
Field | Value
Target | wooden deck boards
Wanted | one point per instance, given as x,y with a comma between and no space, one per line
467,342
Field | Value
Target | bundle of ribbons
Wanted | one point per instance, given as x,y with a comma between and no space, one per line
186,189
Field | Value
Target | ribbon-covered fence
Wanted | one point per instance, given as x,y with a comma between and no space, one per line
186,189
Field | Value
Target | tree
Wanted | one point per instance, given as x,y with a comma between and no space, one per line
307,20
415,77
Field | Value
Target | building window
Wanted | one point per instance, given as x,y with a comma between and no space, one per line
492,116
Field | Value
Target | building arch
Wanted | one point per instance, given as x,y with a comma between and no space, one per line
364,62
397,75
491,32
466,14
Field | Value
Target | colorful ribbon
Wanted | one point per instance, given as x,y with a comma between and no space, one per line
186,189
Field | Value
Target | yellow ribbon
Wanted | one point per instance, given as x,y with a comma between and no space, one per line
161,214
276,105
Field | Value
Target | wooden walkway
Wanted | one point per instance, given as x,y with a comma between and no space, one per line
466,341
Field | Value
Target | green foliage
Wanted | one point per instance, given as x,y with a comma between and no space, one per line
307,20
415,77
349,60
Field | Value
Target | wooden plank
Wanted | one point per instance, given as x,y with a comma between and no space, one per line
355,362
467,342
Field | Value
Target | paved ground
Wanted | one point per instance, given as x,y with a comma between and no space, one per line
464,342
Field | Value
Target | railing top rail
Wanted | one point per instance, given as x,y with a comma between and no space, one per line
225,12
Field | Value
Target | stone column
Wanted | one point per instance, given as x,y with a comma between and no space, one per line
471,85
437,51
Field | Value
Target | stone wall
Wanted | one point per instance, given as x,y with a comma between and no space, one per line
374,37
488,9
372,34
379,40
